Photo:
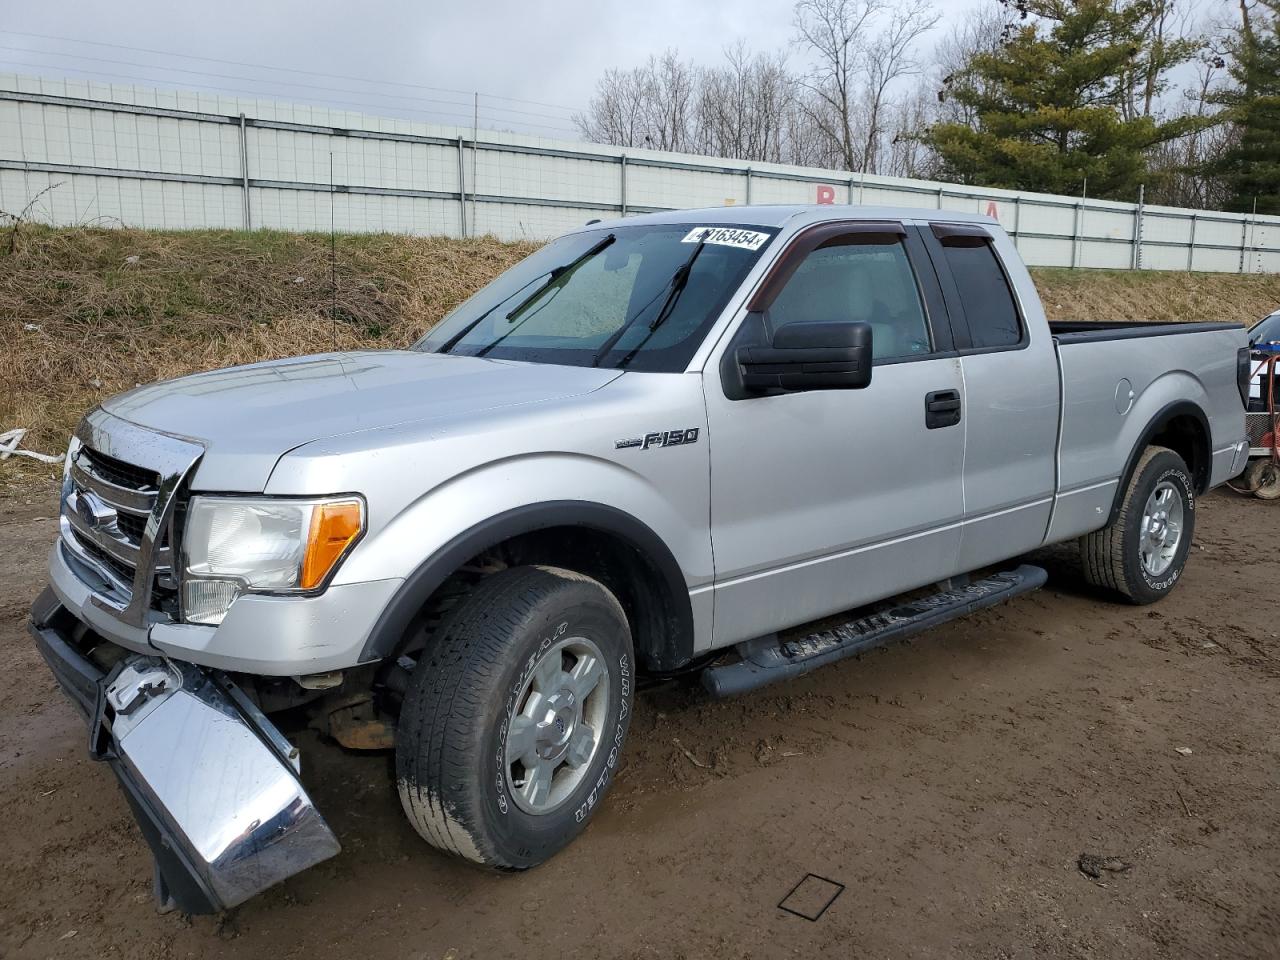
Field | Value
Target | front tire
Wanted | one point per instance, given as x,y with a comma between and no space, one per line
515,716
1141,554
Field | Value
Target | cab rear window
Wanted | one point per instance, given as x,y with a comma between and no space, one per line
989,307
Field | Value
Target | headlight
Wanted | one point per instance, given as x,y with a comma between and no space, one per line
235,545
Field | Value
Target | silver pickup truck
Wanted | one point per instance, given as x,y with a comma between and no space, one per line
659,446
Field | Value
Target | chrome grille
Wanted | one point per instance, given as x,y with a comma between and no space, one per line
132,526
117,513
124,573
119,473
106,508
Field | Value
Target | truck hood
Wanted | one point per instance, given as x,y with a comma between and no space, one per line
248,417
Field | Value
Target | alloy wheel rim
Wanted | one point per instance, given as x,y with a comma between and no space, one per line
1162,525
558,725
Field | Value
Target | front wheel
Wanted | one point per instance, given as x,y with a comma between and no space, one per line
1141,554
515,717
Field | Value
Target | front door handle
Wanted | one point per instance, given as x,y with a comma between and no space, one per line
941,409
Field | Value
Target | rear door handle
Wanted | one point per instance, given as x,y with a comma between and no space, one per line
941,409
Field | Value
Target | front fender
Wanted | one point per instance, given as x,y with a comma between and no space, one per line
482,507
437,492
431,573
470,499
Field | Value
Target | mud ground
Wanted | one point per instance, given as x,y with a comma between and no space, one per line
951,785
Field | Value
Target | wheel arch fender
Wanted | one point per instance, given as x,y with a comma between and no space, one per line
1182,426
672,643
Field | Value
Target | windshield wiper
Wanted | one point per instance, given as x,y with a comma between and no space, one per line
556,282
675,286
553,277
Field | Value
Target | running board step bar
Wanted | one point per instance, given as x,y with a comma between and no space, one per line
768,659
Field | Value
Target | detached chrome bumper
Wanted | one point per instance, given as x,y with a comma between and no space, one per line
214,786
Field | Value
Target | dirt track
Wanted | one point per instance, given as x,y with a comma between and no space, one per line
951,784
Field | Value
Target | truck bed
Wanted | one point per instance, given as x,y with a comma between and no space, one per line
1116,378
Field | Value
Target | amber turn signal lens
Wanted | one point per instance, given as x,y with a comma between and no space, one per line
334,527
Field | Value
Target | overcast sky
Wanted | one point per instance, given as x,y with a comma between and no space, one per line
545,56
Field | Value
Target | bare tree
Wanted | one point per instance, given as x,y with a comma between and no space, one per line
846,110
646,106
1181,164
616,113
862,50
672,85
1168,39
746,107
906,155
742,107
887,60
808,145
835,31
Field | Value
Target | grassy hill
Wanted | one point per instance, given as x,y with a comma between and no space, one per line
87,313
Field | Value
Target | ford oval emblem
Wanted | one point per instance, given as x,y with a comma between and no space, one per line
95,511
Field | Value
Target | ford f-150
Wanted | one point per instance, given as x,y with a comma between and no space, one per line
661,445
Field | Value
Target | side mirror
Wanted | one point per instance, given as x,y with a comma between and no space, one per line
809,356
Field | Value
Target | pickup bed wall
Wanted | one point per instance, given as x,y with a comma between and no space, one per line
1166,367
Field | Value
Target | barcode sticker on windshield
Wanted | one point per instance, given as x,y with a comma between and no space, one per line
727,237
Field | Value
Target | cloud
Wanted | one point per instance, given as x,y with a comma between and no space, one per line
544,57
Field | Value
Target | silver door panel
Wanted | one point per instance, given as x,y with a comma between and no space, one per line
1000,534
1012,413
826,499
775,599
1081,510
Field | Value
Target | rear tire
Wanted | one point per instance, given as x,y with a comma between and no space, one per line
1141,554
515,717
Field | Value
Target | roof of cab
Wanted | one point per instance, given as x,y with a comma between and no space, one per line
770,215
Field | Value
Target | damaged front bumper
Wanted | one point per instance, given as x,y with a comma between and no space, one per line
212,783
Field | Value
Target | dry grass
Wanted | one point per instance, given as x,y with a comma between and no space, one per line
1157,295
88,313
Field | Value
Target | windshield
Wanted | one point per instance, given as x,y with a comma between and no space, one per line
634,297
1266,330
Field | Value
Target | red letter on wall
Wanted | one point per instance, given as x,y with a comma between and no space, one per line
826,194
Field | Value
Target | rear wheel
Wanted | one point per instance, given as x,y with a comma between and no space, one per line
515,716
1141,554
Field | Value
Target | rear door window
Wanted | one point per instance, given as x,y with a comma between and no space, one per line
989,308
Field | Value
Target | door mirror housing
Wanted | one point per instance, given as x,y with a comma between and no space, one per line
808,356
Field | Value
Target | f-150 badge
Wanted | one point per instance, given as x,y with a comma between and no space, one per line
665,438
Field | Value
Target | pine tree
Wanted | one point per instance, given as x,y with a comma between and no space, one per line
1069,96
1251,166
